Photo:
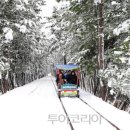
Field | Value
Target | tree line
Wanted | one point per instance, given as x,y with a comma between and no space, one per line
23,54
95,35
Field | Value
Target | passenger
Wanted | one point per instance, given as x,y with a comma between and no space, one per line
65,74
71,77
74,78
60,77
64,77
57,76
68,77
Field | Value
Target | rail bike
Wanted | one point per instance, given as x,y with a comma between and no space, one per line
68,80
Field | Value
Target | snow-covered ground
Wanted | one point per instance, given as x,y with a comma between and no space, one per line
32,107
83,117
36,106
118,117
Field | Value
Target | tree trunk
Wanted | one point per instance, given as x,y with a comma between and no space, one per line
1,86
23,78
81,81
65,62
114,102
101,47
11,80
101,37
5,85
84,81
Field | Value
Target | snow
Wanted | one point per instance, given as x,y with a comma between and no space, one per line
112,92
116,116
8,32
123,27
17,25
26,1
31,23
115,3
0,76
48,8
128,61
5,0
36,106
23,29
1,66
118,52
4,66
26,22
47,11
29,108
97,1
127,39
124,10
83,117
20,7
123,59
101,35
112,82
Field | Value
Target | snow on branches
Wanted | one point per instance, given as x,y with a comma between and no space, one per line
8,34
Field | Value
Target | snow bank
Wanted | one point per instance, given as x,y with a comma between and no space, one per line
116,116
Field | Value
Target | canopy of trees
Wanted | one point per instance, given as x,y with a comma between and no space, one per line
95,35
92,33
22,43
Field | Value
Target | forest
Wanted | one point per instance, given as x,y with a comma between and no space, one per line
94,34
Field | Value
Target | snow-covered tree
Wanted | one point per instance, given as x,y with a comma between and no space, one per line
21,41
82,21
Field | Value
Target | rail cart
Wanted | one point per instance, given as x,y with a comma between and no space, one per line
67,86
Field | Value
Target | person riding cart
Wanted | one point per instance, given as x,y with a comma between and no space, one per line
67,80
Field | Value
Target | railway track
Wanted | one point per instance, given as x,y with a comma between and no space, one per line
71,126
67,115
100,114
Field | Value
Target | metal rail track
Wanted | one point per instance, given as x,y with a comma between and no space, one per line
72,128
117,128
